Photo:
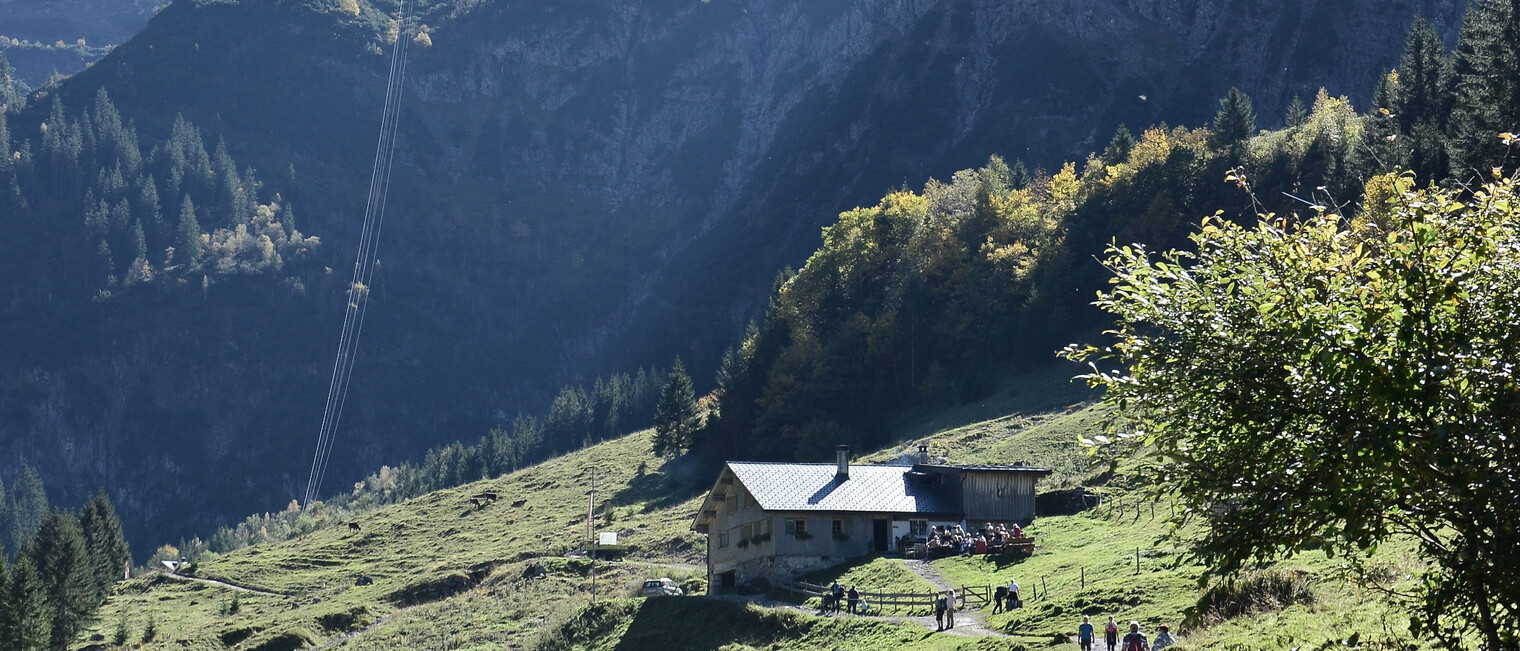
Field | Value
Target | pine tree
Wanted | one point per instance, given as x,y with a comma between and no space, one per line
1018,176
675,417
27,505
1487,100
23,609
63,568
1297,114
187,241
1119,146
104,541
1236,120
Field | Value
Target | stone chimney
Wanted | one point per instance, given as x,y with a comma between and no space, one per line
923,453
842,458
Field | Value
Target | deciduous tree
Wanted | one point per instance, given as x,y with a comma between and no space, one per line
1339,381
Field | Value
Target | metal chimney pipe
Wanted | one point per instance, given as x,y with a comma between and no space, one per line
842,458
923,453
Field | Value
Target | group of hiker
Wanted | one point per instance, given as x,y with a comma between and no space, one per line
855,604
1134,641
1008,597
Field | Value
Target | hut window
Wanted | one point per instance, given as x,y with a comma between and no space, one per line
733,503
747,532
918,528
796,525
838,527
722,539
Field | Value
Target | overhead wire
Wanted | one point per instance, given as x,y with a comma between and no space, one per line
364,260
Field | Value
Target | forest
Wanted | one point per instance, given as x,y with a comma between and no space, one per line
930,296
57,566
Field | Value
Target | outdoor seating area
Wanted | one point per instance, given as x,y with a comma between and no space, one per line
954,540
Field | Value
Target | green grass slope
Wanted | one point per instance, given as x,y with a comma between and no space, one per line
446,575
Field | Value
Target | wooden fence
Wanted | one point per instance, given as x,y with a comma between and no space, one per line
974,595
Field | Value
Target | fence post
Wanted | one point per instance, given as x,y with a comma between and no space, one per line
1084,577
1045,589
1137,560
1153,511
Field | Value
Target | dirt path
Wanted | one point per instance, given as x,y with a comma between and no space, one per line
967,619
224,584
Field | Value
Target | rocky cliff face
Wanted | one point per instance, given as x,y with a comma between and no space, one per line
581,186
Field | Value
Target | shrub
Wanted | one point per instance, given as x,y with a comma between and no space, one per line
1249,592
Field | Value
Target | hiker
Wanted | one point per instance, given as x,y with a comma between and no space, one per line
949,609
838,592
1135,641
1013,595
939,611
854,599
1111,633
998,598
1085,633
864,606
1163,640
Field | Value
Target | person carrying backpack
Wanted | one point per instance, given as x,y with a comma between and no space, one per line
939,611
1135,641
1111,633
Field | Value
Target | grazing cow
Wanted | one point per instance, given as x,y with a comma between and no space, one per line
475,501
491,497
353,526
519,503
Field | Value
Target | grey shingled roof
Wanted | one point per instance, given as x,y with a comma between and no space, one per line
813,487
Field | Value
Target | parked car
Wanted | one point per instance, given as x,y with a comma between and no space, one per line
660,587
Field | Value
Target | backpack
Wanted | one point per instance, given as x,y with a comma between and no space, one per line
1134,642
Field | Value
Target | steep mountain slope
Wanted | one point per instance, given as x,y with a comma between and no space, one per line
582,186
87,30
438,572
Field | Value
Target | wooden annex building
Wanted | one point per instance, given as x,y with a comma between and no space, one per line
779,520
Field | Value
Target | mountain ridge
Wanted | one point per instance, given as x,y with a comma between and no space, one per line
580,188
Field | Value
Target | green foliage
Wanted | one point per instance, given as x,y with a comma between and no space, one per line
1235,121
675,417
1487,100
105,542
1297,114
24,612
84,183
1291,376
927,298
64,572
122,633
26,504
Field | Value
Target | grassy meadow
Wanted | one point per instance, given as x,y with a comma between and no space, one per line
436,572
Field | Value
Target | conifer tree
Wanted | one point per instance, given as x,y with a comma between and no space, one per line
104,541
675,417
27,505
23,609
1235,121
1018,176
1487,101
1297,114
64,570
1119,146
187,241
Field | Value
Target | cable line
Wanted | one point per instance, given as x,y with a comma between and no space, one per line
364,260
